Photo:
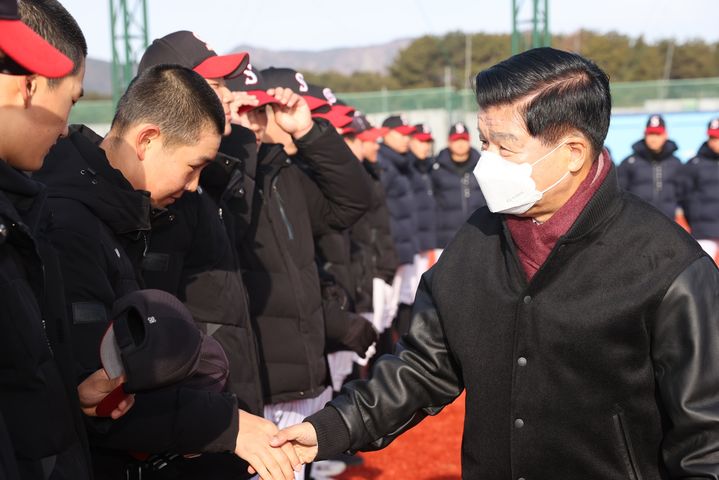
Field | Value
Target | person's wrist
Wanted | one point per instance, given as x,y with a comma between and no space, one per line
303,131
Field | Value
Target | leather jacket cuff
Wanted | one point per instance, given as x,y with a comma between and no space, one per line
333,437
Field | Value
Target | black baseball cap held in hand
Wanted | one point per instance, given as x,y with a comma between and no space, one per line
24,51
188,50
154,341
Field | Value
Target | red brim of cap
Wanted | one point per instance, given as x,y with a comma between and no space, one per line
344,109
31,51
655,130
262,97
110,402
314,103
405,129
423,137
348,131
337,120
223,66
713,132
459,136
373,134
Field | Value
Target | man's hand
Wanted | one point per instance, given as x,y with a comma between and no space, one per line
95,388
292,113
241,99
302,437
253,446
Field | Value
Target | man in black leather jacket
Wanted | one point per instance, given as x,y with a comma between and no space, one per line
582,323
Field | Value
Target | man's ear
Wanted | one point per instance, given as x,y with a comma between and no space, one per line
146,139
27,87
579,151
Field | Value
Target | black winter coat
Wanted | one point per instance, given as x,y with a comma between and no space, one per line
43,425
655,178
277,255
100,228
456,192
400,201
701,200
424,201
372,252
603,366
192,255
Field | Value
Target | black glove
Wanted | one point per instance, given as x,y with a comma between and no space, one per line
360,335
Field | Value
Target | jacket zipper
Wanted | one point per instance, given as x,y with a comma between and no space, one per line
465,193
625,445
283,214
658,180
47,339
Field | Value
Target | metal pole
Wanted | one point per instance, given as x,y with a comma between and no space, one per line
467,61
547,37
127,70
535,24
515,30
115,57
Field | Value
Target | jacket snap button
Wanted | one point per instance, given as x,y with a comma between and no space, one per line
527,300
521,478
519,423
522,362
3,232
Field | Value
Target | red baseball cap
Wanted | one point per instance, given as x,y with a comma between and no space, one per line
655,125
458,132
713,128
252,82
423,133
28,49
373,134
337,119
398,123
344,109
188,50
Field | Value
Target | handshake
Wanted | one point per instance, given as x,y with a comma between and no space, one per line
274,454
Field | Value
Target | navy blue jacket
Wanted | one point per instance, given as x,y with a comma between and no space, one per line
653,177
701,202
425,205
400,201
456,192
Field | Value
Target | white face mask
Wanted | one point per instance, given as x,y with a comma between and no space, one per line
508,187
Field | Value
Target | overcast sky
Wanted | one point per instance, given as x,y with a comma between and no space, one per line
322,24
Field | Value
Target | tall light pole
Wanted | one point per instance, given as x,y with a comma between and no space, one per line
539,22
128,27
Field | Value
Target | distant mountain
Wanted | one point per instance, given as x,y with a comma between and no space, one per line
373,58
98,78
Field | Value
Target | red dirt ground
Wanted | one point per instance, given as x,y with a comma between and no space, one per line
430,451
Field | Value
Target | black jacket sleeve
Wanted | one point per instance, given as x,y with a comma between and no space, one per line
419,379
180,419
685,353
339,192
